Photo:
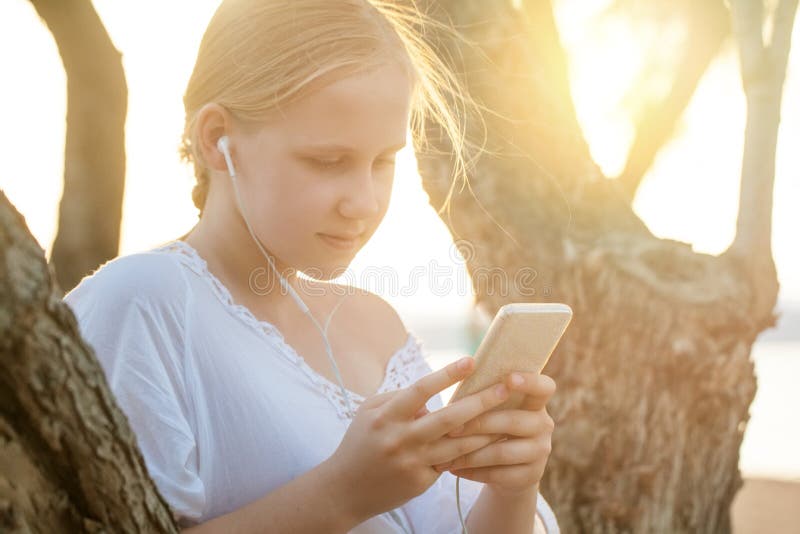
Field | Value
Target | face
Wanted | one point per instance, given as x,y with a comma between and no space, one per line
316,179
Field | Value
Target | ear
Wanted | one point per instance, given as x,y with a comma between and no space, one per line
213,121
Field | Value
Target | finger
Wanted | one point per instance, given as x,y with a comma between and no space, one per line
513,422
378,399
412,398
509,452
538,389
520,476
445,450
443,420
421,412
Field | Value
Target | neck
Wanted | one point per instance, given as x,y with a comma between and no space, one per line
234,257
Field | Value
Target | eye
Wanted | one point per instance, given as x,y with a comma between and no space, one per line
325,163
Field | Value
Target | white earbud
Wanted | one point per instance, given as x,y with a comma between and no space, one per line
223,145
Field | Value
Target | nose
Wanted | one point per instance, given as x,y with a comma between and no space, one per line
361,198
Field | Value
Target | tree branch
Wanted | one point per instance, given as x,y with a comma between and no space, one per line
781,41
748,17
762,80
90,212
708,26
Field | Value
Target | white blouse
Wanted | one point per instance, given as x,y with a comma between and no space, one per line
223,409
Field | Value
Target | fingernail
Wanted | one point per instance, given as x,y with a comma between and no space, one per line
463,363
501,391
516,379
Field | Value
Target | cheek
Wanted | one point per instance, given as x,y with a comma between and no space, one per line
295,207
284,185
384,193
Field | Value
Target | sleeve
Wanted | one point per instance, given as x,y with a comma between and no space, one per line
139,346
436,509
547,515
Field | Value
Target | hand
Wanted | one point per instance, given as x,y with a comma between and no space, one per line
514,465
386,456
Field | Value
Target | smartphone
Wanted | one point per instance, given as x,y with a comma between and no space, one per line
522,337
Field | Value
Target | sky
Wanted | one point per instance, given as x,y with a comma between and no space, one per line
690,194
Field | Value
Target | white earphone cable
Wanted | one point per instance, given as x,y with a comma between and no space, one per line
222,144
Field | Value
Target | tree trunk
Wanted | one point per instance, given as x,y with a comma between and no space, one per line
90,212
68,459
654,373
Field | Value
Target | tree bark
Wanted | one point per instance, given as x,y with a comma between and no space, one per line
68,458
655,376
90,212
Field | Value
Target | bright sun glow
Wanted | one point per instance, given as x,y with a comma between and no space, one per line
690,194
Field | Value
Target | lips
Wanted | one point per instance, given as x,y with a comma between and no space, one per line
345,237
341,241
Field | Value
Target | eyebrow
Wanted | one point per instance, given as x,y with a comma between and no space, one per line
345,148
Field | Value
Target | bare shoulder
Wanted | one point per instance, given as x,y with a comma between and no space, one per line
373,318
375,310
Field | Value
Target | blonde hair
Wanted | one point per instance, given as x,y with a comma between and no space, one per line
257,55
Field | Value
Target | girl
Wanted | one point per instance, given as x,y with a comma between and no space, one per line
214,347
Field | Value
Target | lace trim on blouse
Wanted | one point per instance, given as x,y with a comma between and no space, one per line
401,369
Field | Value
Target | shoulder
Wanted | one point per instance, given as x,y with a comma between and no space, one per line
131,308
147,277
368,314
377,321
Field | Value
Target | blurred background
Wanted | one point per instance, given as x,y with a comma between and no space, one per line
690,193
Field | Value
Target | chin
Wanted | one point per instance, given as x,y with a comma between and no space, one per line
327,272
